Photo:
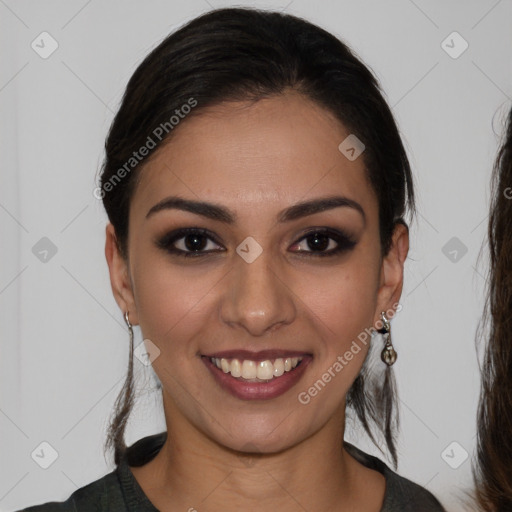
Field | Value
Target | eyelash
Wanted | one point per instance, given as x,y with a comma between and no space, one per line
344,241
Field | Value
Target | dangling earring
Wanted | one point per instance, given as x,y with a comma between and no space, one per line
130,329
388,354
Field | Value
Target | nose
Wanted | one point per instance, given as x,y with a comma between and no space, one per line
258,298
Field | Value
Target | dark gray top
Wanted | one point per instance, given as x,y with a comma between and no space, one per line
118,491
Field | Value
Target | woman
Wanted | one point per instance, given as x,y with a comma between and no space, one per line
256,183
493,471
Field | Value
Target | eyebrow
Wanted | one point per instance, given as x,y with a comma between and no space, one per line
222,214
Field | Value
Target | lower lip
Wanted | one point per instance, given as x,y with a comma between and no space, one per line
257,390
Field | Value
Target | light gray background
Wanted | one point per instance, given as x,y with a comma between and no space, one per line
64,345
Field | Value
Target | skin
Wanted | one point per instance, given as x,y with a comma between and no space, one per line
223,453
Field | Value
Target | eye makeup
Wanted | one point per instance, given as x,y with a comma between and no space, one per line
194,242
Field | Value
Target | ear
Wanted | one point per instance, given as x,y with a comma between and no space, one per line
119,275
392,271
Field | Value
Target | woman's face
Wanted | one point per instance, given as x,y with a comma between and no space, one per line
259,286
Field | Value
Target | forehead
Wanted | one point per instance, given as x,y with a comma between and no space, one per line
274,152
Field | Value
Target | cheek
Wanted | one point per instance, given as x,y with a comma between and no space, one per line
342,301
171,301
172,309
341,308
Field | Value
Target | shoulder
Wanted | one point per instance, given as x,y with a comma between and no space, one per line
117,491
406,496
402,495
101,495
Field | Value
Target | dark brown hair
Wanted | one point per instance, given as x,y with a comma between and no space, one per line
493,469
248,54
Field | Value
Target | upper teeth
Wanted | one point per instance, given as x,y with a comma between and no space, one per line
263,370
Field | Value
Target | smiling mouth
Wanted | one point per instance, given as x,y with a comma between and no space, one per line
262,375
256,371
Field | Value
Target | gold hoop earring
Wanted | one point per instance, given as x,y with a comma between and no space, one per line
388,354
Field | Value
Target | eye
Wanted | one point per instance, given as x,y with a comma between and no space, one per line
196,242
324,242
189,242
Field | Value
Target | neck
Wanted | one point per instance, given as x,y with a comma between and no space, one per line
192,471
